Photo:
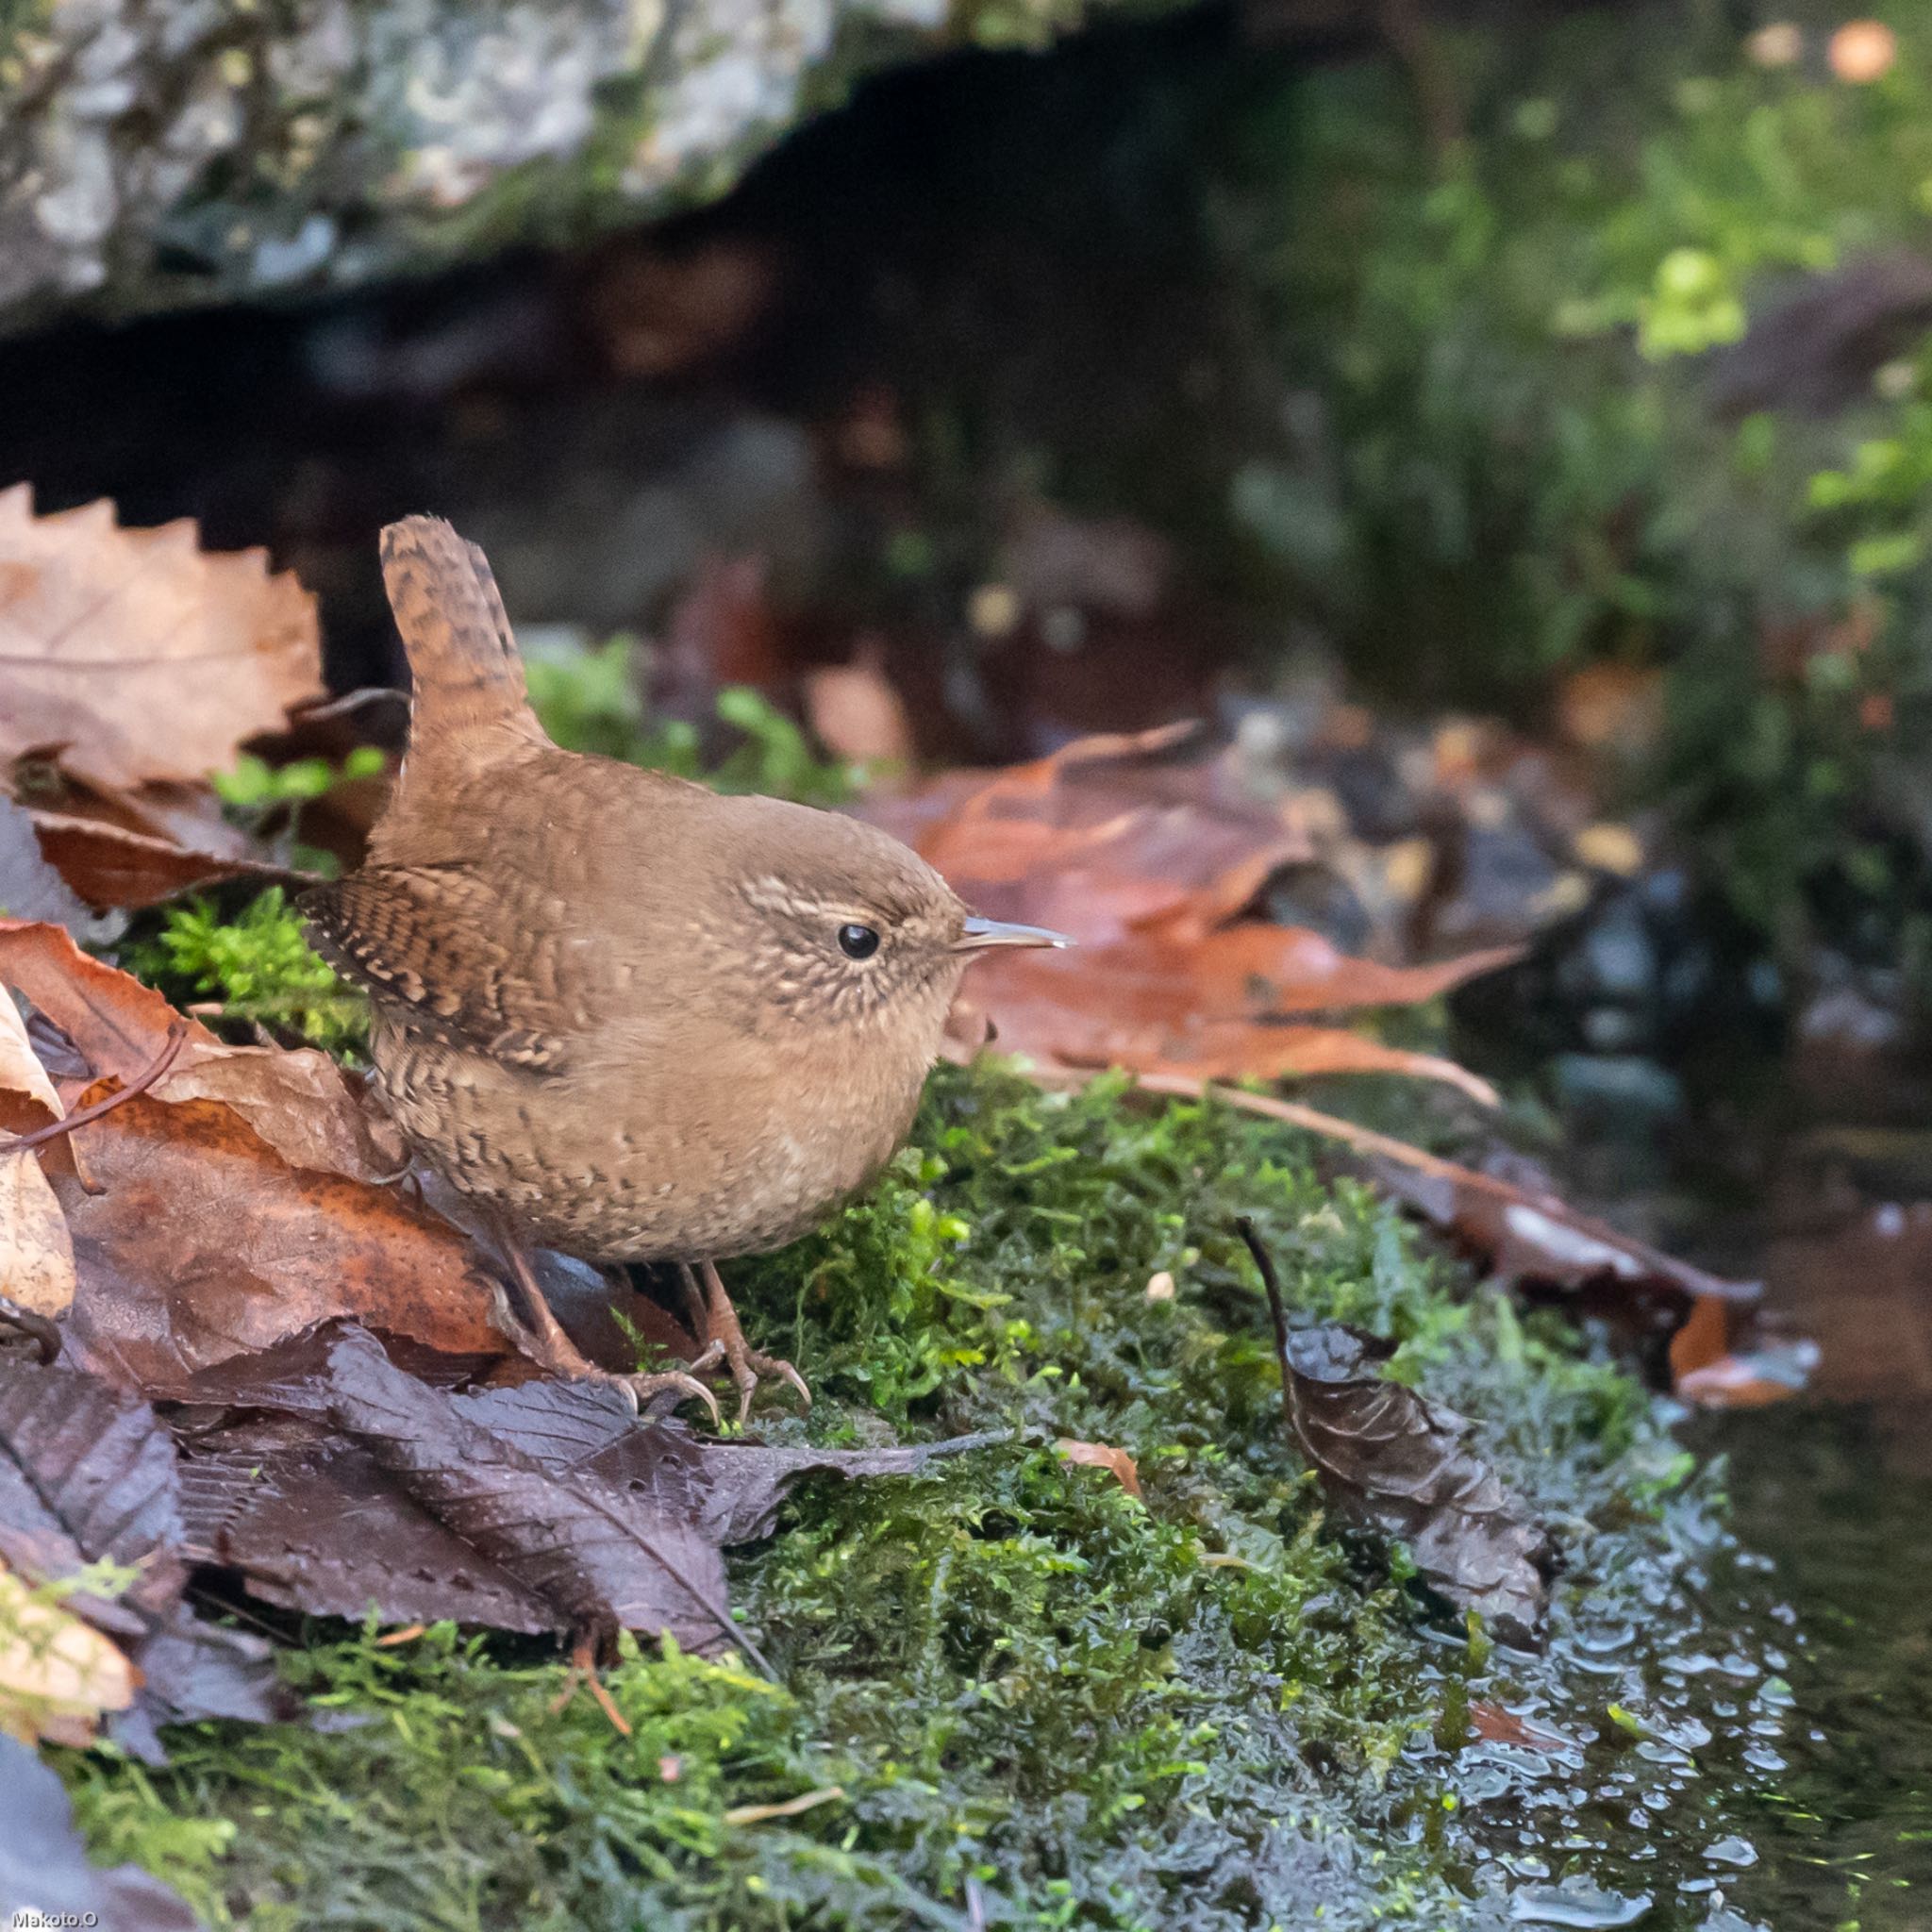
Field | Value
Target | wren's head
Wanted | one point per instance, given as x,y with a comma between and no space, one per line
834,925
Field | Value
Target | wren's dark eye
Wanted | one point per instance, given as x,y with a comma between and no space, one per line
858,942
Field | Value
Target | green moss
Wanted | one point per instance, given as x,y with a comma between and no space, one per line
259,965
1203,1709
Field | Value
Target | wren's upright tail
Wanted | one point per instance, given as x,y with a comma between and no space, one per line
470,701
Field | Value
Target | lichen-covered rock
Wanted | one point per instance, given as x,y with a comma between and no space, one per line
160,152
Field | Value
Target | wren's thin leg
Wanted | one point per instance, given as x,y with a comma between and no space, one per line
722,1335
546,1343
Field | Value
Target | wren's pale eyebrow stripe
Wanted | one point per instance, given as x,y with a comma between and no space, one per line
775,895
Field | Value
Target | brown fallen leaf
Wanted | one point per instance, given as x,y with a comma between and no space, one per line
1495,1725
36,1253
36,1256
127,849
539,1507
106,864
45,1876
205,1242
1402,1464
1117,1462
1158,876
856,714
134,654
1534,1240
237,1202
30,888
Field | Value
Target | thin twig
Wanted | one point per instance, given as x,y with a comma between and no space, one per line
583,1670
1271,1281
21,1144
29,1321
1310,1120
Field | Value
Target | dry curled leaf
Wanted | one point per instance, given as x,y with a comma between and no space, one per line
1117,1462
107,864
1158,876
36,1256
59,1676
135,654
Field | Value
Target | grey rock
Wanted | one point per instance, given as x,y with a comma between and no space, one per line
156,153
1621,1090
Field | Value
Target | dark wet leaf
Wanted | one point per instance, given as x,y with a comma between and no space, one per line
86,1474
89,1474
1698,1330
44,1869
1528,1237
271,1500
1403,1464
539,1507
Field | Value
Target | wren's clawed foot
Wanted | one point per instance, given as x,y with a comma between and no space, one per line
724,1339
545,1343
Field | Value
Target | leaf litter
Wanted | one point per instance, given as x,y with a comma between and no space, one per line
133,665
539,1507
1157,874
1160,868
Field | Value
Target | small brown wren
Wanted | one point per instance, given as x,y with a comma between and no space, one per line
628,1017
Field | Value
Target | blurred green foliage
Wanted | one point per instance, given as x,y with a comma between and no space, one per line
1523,433
588,701
254,783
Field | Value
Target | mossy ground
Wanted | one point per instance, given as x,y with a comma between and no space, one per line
1044,1703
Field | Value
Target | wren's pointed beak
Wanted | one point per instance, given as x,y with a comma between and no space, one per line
981,935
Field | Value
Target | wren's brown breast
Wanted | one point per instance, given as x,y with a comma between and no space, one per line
640,1019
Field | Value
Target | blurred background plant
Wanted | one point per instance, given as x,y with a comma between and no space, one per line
1631,377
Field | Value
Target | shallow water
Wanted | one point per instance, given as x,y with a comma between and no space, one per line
1808,1804
1838,1500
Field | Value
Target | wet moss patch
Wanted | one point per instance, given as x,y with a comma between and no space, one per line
1034,1699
